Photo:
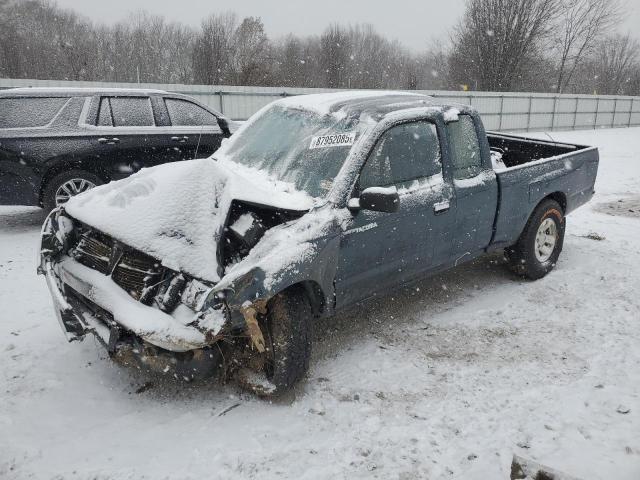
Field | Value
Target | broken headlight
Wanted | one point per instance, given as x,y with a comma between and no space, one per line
211,314
199,296
55,234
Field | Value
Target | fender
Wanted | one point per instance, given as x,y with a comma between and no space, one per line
315,265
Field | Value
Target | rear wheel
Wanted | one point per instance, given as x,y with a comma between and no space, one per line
538,248
65,185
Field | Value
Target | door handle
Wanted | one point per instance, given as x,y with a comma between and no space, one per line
441,207
109,141
180,139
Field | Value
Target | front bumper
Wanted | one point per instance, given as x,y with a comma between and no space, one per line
86,301
79,316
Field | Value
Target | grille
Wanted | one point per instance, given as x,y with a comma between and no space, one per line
94,251
133,271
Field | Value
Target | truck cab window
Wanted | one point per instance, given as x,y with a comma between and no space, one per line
465,148
404,153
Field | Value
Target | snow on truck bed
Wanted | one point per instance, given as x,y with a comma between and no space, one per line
446,380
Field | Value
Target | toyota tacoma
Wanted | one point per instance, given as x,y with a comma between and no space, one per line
315,204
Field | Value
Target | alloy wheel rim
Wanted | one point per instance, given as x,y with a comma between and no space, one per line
546,239
71,188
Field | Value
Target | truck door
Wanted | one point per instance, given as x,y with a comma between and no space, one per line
476,188
383,250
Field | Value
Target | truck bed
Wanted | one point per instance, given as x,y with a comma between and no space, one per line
534,170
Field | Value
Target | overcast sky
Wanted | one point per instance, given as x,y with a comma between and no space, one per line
413,22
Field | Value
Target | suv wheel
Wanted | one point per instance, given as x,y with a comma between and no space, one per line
65,185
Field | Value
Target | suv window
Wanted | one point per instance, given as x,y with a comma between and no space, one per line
21,112
404,153
465,148
129,112
184,113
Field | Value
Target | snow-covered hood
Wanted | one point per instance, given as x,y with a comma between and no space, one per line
176,212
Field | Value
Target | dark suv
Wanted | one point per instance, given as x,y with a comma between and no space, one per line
58,142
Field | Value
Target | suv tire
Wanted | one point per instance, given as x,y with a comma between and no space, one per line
66,185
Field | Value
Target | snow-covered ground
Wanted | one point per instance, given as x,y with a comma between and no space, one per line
445,380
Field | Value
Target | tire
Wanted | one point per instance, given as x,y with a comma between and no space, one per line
289,328
51,195
539,246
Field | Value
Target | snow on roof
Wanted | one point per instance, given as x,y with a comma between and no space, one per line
36,91
326,103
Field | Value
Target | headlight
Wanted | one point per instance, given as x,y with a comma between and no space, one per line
211,316
196,295
55,234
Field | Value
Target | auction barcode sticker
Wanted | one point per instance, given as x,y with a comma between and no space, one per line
334,140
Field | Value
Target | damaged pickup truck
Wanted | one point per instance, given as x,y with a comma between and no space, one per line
317,203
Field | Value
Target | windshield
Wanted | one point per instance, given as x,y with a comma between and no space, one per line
301,147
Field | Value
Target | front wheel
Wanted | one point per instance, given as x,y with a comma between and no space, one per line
289,324
538,248
287,330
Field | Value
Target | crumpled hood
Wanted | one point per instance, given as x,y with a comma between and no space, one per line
176,212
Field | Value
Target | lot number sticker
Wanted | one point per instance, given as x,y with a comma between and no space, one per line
334,140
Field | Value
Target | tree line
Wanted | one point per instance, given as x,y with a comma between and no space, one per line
563,46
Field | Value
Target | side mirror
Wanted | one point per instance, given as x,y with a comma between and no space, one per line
377,199
224,125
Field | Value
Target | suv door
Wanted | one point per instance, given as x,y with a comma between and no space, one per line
125,132
195,130
476,188
26,140
383,250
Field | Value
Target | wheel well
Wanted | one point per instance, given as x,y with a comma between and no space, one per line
314,293
66,166
559,197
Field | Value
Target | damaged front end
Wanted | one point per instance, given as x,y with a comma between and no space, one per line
143,312
154,317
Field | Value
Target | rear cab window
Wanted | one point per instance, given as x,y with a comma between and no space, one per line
125,112
187,114
404,154
465,148
29,112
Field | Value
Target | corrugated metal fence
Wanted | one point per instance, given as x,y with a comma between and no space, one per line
500,111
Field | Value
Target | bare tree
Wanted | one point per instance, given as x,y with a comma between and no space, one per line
296,62
213,50
433,67
495,40
498,45
581,24
615,64
334,55
251,52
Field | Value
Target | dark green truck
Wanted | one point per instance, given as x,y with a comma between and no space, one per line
316,203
